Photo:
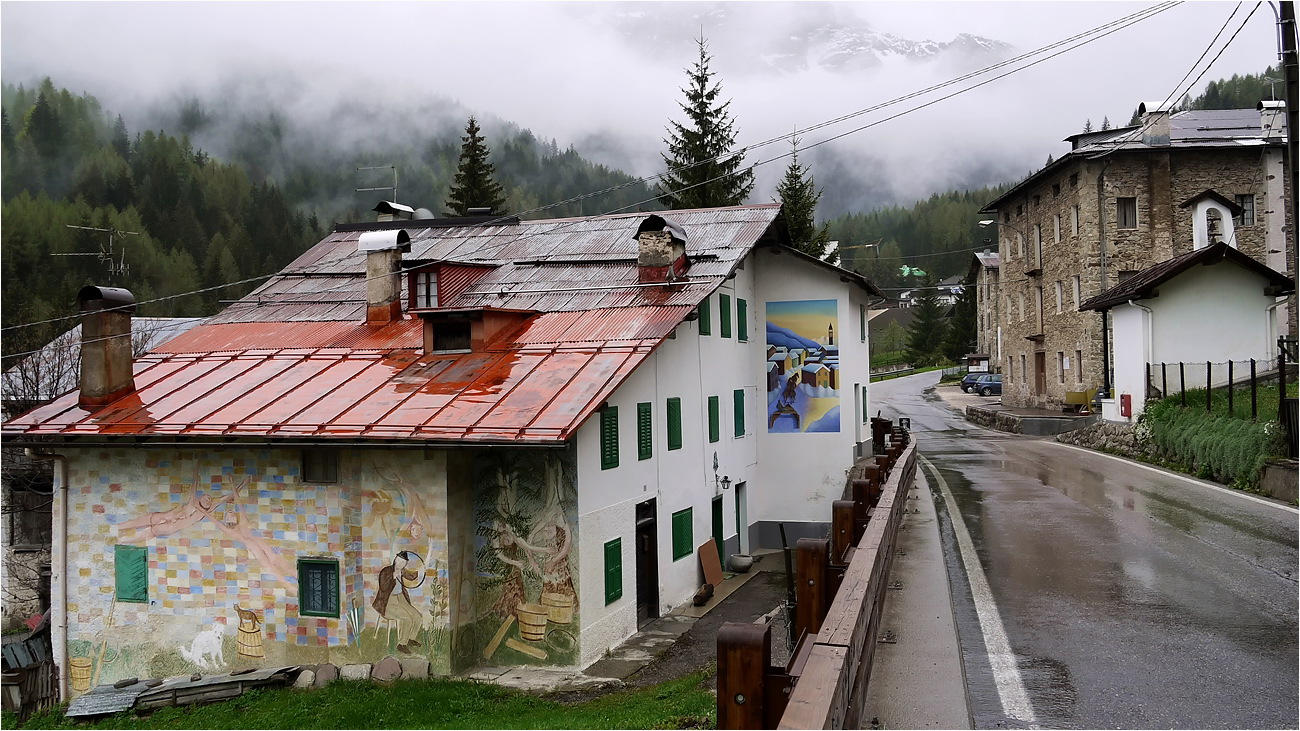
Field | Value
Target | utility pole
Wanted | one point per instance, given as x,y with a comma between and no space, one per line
1291,75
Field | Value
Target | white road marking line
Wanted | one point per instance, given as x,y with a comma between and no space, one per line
1006,672
1193,480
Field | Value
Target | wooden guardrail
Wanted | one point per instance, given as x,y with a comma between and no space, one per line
840,586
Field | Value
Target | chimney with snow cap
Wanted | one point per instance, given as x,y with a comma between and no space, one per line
383,251
1155,123
661,251
106,367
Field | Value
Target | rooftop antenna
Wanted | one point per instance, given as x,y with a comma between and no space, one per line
118,269
392,187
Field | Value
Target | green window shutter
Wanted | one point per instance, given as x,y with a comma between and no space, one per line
674,423
739,404
706,327
724,314
318,587
865,415
644,431
742,320
131,574
714,430
613,570
862,321
609,437
683,528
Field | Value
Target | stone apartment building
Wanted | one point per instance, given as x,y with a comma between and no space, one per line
984,271
1120,201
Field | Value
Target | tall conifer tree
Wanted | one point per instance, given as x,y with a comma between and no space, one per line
703,172
798,195
473,186
925,336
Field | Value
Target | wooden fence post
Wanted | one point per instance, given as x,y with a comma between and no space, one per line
1254,406
812,559
1164,382
842,520
744,651
1182,383
1209,389
1230,389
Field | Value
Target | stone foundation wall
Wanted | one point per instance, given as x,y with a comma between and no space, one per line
1108,436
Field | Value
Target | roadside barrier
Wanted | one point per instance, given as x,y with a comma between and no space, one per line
840,591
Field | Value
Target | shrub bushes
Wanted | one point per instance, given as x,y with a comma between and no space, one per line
1228,450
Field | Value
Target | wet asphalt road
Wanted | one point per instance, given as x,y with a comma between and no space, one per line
1130,597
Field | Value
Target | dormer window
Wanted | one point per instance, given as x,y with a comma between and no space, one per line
450,337
426,289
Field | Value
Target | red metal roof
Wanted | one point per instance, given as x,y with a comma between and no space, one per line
295,359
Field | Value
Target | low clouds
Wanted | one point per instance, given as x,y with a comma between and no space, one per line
606,77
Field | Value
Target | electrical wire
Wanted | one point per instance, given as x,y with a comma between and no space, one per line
1110,27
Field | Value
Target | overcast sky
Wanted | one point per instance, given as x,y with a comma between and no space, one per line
584,73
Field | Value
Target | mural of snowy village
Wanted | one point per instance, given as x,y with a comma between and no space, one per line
185,562
803,367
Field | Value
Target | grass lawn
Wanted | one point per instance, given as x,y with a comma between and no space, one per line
680,703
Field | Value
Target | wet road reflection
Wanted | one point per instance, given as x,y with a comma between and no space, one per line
1131,598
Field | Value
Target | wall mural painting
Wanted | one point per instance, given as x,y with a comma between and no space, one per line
393,600
526,558
803,367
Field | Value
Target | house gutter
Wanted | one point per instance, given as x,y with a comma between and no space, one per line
16,441
59,559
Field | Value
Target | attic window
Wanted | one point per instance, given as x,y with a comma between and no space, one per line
1056,188
1074,180
451,337
426,289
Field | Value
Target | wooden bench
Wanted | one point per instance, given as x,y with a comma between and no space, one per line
1077,402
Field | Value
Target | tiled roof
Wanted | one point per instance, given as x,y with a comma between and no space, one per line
294,359
1143,283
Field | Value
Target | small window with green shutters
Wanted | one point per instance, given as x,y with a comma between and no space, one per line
613,570
866,416
131,574
724,315
862,321
644,431
609,437
706,327
714,429
742,320
318,587
674,423
738,399
683,538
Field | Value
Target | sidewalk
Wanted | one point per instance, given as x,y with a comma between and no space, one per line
917,678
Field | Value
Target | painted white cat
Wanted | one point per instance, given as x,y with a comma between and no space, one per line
205,650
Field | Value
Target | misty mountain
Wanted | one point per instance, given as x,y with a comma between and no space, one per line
784,37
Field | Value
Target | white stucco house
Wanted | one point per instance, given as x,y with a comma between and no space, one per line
474,439
1213,304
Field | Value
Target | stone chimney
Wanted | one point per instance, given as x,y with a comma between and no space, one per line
107,372
383,251
1272,119
1155,124
661,251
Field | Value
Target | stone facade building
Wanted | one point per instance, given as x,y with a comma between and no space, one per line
1120,201
984,270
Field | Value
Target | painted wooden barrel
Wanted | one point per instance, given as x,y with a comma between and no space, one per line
250,642
559,607
532,622
79,673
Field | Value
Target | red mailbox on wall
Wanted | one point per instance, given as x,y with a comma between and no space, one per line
1125,405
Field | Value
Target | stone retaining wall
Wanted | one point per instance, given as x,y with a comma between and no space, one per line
1115,437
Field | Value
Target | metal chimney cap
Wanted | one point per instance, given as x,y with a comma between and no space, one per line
383,240
483,211
1270,104
656,222
1146,108
92,298
394,208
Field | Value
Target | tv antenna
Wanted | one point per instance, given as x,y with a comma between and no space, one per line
105,254
392,187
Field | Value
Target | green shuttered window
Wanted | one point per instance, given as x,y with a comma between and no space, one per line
674,423
609,438
742,320
131,574
714,430
862,321
865,415
613,570
644,431
724,314
706,327
738,399
683,538
318,587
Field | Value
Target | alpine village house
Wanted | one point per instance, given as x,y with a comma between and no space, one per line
1122,201
473,439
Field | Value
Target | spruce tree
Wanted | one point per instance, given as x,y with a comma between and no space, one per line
962,334
6,131
703,172
798,196
1087,126
473,186
1105,123
121,140
44,129
926,334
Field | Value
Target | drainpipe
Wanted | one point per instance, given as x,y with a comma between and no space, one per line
59,560
1101,286
1105,358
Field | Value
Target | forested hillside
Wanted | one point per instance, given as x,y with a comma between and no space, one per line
937,235
200,221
